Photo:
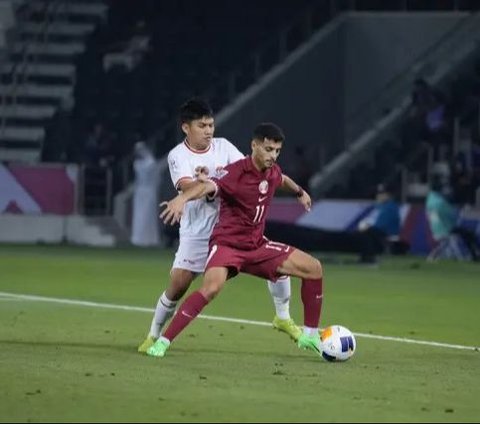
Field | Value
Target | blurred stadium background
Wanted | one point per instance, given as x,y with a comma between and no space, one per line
367,92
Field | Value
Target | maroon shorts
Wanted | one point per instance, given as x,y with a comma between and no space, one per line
261,262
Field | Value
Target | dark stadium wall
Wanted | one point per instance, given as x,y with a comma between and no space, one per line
349,63
379,46
305,99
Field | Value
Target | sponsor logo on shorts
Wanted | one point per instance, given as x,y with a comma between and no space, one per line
188,261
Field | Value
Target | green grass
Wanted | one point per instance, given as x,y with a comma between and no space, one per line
76,363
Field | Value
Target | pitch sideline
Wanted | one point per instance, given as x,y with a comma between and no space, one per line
33,298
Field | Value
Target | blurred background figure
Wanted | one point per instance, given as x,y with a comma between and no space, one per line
144,214
452,241
299,166
98,149
385,224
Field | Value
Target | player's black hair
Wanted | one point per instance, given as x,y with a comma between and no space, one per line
194,108
268,130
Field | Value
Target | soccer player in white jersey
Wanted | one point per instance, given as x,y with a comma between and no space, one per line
198,155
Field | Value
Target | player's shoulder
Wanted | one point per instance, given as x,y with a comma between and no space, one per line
276,168
276,173
222,143
179,150
233,170
239,166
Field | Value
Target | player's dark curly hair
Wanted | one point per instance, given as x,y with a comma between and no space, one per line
268,130
194,108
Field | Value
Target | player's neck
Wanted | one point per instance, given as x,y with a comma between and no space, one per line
258,166
196,147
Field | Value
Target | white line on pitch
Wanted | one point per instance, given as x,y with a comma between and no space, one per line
34,298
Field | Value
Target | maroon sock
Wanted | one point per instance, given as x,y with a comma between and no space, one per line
312,294
187,312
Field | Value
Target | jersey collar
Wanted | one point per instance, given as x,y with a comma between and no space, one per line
189,147
252,168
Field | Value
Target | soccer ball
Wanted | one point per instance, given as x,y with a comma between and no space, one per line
338,343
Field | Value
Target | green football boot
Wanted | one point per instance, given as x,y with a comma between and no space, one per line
312,343
287,326
159,348
147,343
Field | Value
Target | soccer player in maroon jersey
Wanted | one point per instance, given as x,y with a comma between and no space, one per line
237,244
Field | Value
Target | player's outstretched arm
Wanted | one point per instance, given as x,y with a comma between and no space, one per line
174,208
302,196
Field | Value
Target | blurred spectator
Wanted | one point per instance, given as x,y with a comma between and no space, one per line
98,147
437,128
435,115
144,219
428,119
385,224
129,53
466,172
414,128
450,239
298,167
421,98
442,215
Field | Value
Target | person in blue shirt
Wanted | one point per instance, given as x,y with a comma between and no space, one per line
385,224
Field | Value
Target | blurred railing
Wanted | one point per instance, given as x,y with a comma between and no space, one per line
17,74
385,113
419,161
302,27
95,190
460,36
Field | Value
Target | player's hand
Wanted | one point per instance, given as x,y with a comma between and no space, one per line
201,173
306,201
173,210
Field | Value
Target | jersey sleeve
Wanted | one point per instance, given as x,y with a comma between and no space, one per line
277,177
227,181
179,169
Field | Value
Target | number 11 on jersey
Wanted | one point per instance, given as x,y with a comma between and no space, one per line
259,209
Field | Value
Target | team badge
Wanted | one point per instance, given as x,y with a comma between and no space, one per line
263,187
220,172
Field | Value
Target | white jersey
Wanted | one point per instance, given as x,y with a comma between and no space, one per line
200,216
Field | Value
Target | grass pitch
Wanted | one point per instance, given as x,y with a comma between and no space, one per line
69,362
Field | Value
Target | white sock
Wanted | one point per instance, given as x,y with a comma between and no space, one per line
310,331
165,340
280,291
163,312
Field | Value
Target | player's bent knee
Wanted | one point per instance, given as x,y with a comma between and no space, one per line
210,292
317,269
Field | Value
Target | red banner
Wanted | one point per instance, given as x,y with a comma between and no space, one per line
38,189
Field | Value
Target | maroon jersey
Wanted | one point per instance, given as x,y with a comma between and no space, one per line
246,194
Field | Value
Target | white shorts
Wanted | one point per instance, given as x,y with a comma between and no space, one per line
191,255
